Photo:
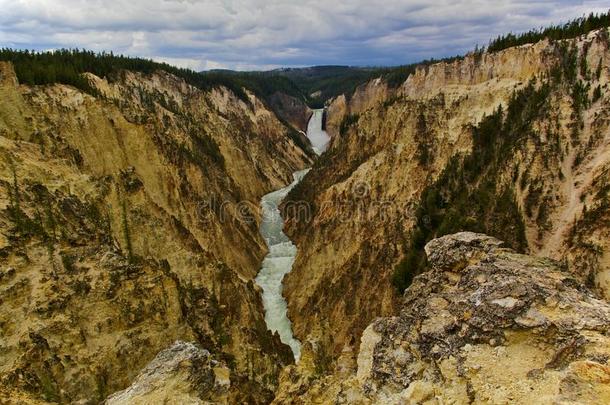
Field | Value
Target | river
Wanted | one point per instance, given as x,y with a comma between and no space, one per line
282,251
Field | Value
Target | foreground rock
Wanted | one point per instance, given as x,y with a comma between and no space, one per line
182,374
483,325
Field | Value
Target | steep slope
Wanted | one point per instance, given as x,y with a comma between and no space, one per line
494,142
293,110
483,325
129,221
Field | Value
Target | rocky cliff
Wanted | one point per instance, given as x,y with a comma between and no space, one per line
291,109
513,143
483,325
129,221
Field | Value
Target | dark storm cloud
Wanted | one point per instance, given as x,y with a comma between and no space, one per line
260,34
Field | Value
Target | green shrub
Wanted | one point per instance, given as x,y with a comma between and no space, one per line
597,94
126,231
68,261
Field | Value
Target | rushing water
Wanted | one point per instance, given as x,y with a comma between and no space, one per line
317,136
282,251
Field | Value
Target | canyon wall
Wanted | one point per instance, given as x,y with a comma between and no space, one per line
130,221
514,144
291,109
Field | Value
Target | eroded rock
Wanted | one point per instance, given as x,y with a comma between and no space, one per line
508,328
181,374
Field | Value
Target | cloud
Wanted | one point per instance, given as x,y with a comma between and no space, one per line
260,34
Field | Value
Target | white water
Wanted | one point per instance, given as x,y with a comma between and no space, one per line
317,136
282,251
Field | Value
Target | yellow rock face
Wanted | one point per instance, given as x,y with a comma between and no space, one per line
129,221
366,190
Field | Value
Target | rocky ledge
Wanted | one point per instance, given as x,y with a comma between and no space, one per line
181,374
483,325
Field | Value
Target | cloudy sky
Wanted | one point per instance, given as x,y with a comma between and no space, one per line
263,34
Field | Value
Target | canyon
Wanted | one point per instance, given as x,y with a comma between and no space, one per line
128,223
450,242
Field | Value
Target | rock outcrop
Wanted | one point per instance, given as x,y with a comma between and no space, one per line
363,98
483,325
181,374
291,109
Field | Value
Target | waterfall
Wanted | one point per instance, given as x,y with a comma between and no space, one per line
317,136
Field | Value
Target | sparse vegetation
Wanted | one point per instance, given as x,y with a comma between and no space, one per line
467,196
348,121
598,71
68,261
423,140
126,230
204,145
597,94
80,287
24,225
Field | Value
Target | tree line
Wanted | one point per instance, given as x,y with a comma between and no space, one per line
571,29
67,66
